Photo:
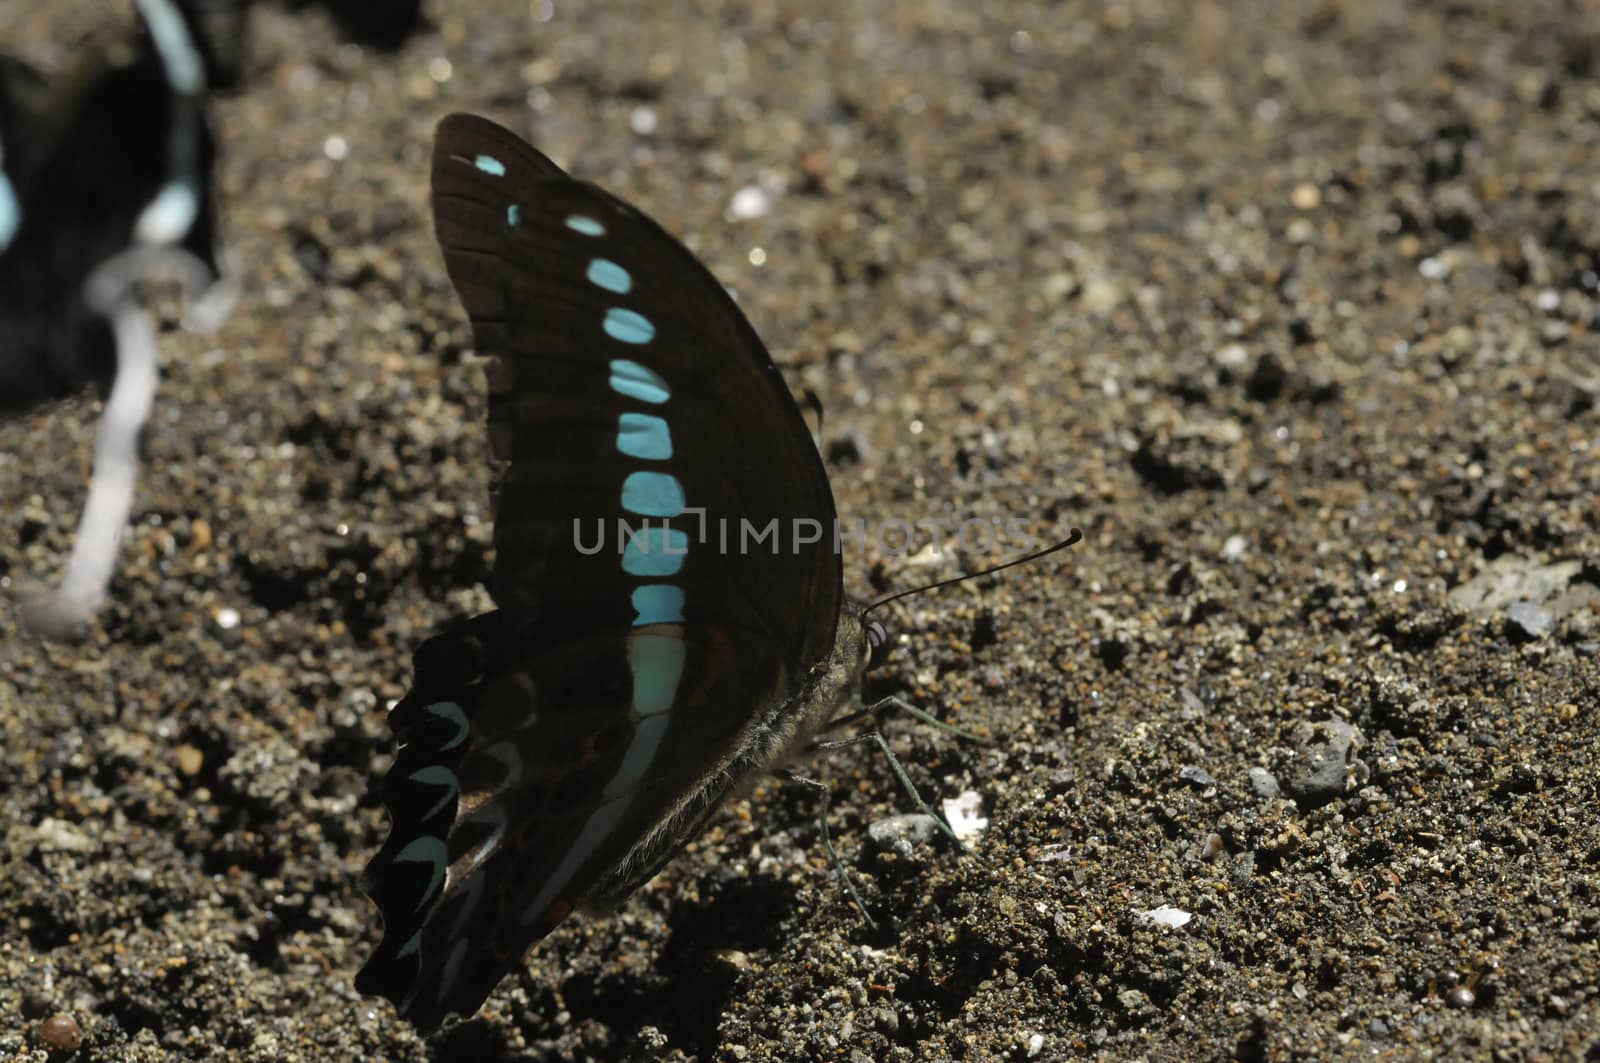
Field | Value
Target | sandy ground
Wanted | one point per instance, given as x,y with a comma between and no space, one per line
1290,306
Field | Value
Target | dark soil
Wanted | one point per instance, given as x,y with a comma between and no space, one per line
1292,307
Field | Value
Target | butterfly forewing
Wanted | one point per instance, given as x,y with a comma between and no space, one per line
556,751
576,410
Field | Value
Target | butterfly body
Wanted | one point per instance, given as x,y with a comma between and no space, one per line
643,662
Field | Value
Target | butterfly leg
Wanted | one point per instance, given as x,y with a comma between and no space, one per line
825,799
899,704
899,773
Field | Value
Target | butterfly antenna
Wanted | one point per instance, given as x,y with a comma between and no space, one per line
1074,536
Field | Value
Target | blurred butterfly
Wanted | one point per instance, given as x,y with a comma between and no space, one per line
105,178
557,752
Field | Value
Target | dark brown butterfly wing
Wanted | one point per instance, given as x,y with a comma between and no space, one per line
556,752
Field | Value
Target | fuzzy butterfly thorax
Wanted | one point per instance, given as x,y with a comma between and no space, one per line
641,663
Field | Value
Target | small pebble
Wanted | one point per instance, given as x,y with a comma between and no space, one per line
903,833
61,1033
1529,621
735,958
190,760
751,201
1165,916
1323,750
1263,783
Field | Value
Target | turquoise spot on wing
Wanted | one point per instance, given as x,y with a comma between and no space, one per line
10,207
641,751
644,435
490,165
413,944
449,710
657,665
10,212
513,215
655,552
170,214
185,68
627,326
637,382
604,273
652,494
657,603
426,850
441,776
586,225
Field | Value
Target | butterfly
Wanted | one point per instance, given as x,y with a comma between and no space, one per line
64,212
105,178
555,753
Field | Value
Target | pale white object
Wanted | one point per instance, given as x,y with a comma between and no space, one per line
964,813
109,292
1166,916
751,201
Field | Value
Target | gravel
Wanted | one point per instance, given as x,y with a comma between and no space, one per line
1290,307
